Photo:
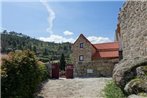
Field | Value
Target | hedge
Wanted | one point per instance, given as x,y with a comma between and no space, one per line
20,74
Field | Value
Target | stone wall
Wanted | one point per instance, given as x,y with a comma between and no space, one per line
133,29
98,68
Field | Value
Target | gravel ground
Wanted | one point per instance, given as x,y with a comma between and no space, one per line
74,88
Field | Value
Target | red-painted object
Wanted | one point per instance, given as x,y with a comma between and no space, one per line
69,71
55,71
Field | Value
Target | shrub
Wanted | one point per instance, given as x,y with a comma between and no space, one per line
20,75
112,91
43,71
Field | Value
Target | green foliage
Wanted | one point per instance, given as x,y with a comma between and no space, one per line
45,51
43,71
20,75
113,91
11,41
62,62
34,49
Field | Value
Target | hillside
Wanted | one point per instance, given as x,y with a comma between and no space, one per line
45,51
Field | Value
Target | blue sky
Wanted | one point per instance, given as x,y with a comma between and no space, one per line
62,21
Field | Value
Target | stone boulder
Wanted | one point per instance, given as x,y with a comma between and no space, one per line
136,86
142,72
128,69
136,96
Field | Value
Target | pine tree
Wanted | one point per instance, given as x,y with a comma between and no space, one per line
62,62
35,49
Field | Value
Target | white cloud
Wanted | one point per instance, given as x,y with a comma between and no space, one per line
68,33
95,39
51,16
57,39
60,39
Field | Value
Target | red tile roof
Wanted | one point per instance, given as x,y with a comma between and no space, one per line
107,46
106,54
106,50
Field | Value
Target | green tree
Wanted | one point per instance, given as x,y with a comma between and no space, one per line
35,49
30,47
11,41
45,51
5,31
62,62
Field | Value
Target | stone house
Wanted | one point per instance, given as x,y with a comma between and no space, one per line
94,60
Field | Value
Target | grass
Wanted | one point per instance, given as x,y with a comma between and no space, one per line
111,90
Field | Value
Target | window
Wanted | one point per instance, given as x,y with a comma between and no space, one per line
81,58
81,45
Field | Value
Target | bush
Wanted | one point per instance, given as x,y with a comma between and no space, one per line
43,71
112,91
20,75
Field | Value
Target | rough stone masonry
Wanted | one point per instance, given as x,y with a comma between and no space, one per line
90,66
131,72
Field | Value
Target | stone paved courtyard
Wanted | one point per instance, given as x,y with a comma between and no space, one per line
74,88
